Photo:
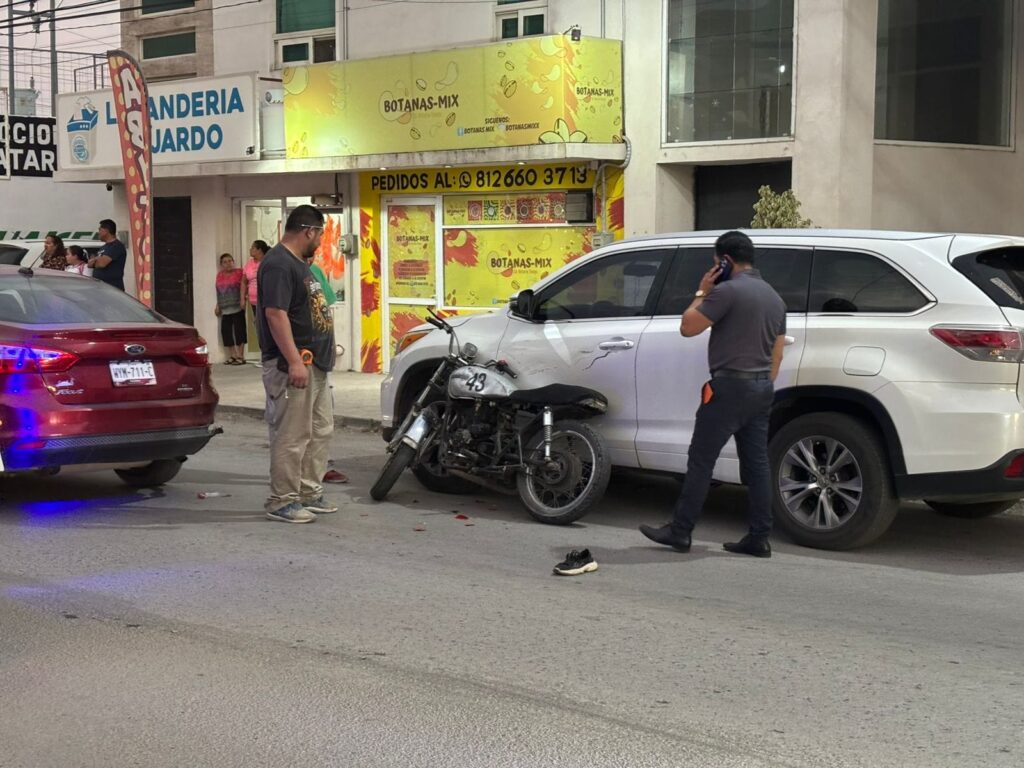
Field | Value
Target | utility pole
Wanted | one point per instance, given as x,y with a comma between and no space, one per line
10,57
36,18
53,59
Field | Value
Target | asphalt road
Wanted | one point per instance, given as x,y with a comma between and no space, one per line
158,629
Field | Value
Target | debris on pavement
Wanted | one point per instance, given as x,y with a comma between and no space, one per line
211,495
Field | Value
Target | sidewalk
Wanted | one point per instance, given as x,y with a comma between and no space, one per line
356,395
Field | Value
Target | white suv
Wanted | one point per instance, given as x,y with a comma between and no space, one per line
901,377
29,253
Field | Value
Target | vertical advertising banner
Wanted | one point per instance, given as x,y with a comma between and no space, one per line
131,99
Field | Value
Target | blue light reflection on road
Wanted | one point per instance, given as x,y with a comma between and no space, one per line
57,512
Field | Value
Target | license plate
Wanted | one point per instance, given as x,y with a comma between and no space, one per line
137,373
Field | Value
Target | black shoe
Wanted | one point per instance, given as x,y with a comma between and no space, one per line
757,546
575,563
680,542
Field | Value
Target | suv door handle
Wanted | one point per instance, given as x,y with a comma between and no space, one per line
616,344
790,340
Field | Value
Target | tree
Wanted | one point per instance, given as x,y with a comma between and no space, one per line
777,211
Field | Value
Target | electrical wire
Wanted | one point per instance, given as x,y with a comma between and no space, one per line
11,24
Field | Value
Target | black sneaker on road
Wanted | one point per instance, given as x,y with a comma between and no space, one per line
575,563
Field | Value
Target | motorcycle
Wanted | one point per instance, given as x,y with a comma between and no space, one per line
472,421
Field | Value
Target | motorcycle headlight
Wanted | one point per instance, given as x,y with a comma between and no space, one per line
469,350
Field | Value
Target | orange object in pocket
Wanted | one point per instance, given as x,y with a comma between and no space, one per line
307,356
706,393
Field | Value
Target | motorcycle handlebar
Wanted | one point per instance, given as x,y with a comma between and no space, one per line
436,323
503,367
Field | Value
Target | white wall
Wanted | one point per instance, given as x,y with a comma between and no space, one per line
243,35
929,188
31,207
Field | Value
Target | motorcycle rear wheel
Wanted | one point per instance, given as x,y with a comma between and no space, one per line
393,467
564,494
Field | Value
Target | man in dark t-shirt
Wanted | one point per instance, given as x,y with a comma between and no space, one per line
296,334
108,264
747,319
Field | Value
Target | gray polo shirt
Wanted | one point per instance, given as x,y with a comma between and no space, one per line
747,316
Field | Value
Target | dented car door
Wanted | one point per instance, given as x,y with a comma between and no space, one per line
586,330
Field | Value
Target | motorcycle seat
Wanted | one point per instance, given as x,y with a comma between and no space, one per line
556,394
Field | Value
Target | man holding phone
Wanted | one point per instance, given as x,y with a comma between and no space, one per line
747,319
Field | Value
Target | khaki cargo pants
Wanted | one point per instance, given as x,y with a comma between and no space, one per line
301,423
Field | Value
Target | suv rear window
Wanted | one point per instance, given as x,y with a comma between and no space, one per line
1000,274
847,282
42,300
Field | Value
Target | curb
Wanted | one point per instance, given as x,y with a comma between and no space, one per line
345,422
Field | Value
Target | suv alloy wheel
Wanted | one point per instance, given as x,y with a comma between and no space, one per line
831,483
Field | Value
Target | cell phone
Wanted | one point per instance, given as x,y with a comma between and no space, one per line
726,272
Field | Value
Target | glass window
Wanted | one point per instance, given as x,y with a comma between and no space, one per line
169,45
683,278
943,71
295,52
324,49
45,300
509,27
730,69
533,24
614,286
303,15
1000,274
11,254
162,6
846,282
529,19
787,270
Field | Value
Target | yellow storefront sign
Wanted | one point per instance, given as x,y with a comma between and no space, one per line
538,90
495,178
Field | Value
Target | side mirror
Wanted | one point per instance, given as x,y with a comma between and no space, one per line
523,304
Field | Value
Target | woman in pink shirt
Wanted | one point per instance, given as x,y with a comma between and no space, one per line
256,252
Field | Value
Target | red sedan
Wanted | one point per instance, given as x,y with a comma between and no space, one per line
92,379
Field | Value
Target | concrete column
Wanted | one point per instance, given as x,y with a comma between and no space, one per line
674,202
659,195
835,110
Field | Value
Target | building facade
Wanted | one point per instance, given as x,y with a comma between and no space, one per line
173,38
439,180
891,114
898,114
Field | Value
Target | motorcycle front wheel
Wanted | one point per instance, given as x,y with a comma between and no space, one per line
576,480
393,467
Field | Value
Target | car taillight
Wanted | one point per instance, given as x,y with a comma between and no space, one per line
199,355
19,359
994,345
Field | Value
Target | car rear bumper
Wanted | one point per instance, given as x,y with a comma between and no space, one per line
126,447
976,485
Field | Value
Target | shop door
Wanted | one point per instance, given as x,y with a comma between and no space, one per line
412,263
172,258
261,220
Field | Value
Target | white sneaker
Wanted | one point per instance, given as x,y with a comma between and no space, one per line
319,506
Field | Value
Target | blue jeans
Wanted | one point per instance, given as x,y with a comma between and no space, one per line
740,408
